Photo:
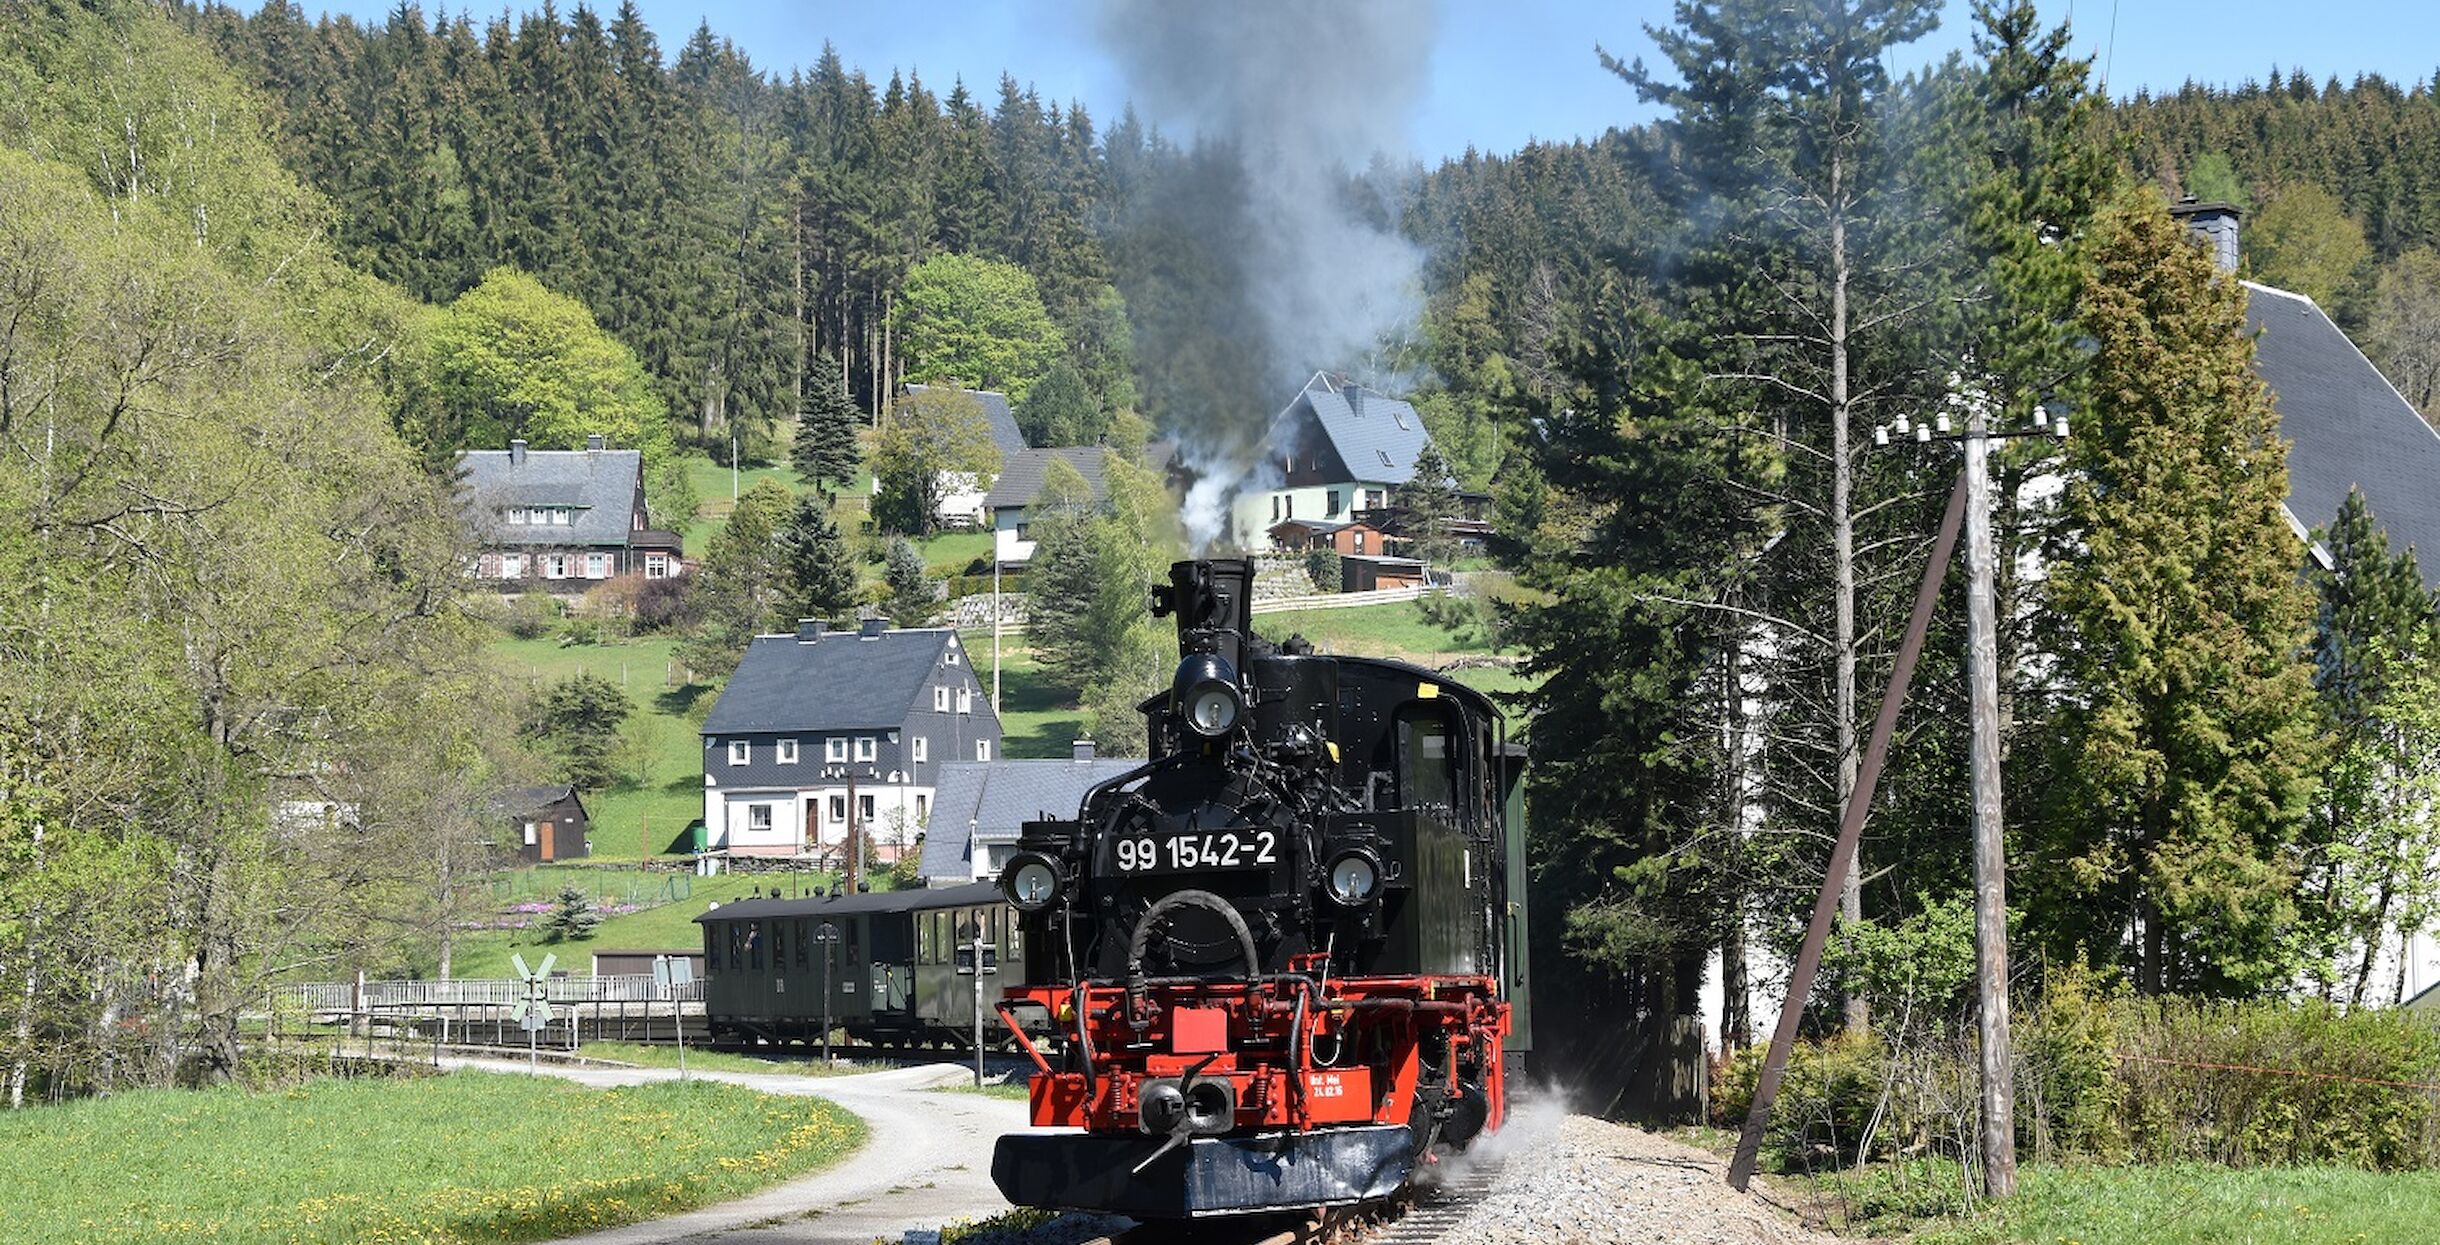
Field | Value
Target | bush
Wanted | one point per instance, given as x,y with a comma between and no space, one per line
532,615
580,630
1323,567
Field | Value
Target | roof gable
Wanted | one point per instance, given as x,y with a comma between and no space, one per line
2348,427
996,412
600,484
842,681
1021,474
1376,437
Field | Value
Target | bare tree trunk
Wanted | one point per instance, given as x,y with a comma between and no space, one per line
1842,560
2372,946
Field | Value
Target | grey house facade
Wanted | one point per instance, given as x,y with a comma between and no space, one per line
561,519
823,729
982,807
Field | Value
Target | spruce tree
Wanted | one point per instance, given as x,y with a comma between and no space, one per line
1062,576
817,571
826,455
2187,728
1429,501
1059,410
914,597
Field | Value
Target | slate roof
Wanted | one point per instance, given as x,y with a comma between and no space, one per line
1021,473
2349,428
1003,419
873,901
521,800
1001,796
843,681
1376,436
600,483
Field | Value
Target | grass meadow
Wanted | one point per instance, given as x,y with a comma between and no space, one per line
2197,1205
468,1157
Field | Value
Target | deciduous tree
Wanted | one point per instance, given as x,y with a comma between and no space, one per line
978,321
934,438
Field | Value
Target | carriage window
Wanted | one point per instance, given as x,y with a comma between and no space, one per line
737,936
711,946
779,944
800,944
923,940
753,944
1427,760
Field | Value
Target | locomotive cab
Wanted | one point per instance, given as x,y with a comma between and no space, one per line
1277,950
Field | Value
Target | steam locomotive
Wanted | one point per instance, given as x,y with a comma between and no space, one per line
1285,959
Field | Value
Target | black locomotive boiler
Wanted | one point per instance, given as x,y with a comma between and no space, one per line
1285,958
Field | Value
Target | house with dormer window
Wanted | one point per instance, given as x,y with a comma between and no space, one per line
563,520
825,733
1336,450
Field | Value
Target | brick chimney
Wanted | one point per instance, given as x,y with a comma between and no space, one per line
516,452
1081,749
594,443
2215,224
809,630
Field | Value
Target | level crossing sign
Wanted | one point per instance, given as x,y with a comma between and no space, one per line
534,1010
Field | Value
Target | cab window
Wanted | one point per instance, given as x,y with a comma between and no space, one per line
1427,761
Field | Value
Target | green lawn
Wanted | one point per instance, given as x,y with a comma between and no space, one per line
951,553
1395,630
663,1055
665,927
633,819
1038,718
461,1158
2190,1205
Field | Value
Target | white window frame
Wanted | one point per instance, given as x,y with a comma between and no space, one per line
982,750
867,748
834,749
512,566
836,806
740,751
965,700
922,749
787,752
656,566
923,806
597,566
532,837
864,809
940,699
761,812
554,566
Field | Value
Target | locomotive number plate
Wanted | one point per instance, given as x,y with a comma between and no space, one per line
1227,849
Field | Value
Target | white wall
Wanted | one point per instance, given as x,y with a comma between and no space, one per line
1251,518
895,806
1005,545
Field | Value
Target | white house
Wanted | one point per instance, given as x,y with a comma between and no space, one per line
1337,448
821,730
962,493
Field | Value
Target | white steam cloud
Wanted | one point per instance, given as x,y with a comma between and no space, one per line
1311,97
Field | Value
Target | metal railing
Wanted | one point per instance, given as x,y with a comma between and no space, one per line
342,997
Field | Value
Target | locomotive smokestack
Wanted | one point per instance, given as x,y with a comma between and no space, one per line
1214,604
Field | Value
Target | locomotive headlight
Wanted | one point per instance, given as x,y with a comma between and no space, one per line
1354,878
1031,881
1205,692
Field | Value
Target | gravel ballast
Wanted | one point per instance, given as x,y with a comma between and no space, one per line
1571,1178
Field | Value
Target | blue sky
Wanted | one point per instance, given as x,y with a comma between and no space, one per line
1502,73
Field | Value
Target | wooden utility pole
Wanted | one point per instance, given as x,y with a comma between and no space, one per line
1990,854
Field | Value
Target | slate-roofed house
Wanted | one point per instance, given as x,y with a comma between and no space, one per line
982,807
1012,497
563,519
1337,448
961,494
2347,426
820,727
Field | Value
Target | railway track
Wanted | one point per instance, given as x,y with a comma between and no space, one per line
1425,1216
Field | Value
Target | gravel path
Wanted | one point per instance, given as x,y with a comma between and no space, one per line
927,1162
1571,1178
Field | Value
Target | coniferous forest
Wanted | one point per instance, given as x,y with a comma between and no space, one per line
256,264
